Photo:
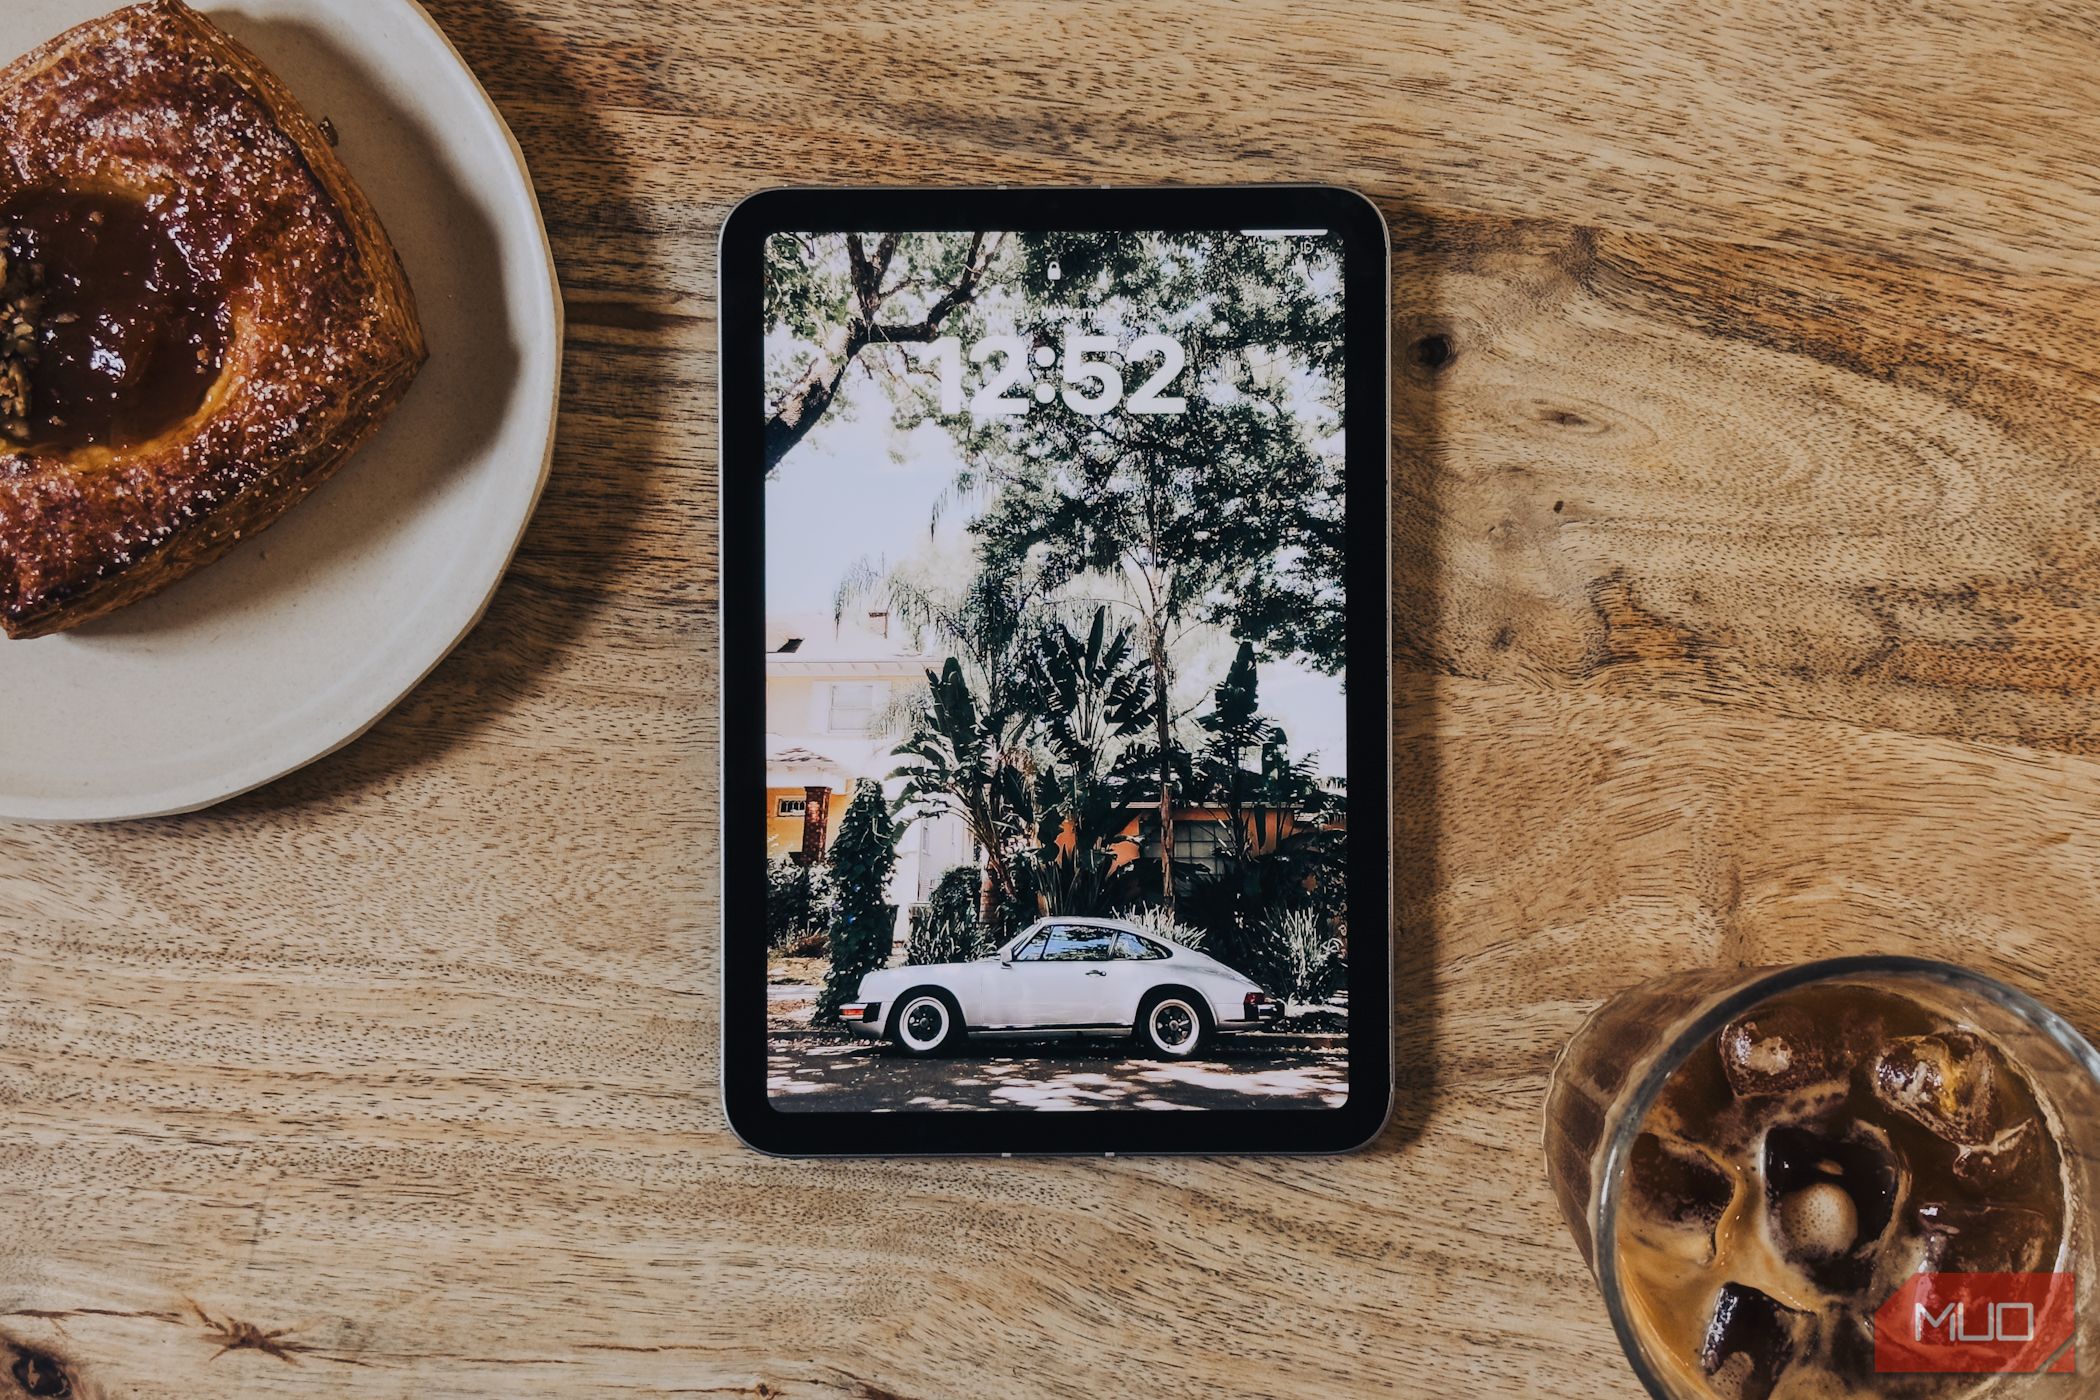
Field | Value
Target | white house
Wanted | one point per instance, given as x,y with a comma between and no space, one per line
828,685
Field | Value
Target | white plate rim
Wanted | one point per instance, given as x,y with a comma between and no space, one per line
389,688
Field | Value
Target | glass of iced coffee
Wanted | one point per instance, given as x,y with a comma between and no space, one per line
1864,1177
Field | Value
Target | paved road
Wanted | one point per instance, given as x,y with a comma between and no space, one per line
818,1074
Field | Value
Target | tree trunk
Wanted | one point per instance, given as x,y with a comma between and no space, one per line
805,403
1156,645
998,879
987,898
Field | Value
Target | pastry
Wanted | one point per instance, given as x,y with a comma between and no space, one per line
200,316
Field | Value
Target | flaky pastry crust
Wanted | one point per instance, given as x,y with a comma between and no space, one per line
157,103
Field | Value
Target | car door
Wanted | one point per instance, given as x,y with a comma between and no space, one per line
1061,978
1138,965
1003,998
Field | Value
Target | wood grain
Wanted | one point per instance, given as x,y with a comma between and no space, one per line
1745,375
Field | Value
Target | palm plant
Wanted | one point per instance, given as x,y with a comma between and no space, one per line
965,733
959,756
1091,696
1088,694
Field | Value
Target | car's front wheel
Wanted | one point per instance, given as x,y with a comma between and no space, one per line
1173,1024
928,1022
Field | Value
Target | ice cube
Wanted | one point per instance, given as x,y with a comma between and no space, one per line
1677,1185
1750,1338
1803,1165
1974,1237
1776,1050
1695,1095
1985,1167
1848,1350
1946,1082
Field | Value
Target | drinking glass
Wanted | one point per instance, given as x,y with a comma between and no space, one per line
1618,1063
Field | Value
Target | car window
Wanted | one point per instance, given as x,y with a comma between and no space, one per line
1079,943
1129,945
1032,950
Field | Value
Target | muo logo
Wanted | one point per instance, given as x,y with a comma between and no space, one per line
1972,1323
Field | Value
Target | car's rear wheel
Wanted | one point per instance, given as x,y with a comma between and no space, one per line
928,1022
1173,1024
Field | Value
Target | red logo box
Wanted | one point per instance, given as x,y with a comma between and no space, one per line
1973,1323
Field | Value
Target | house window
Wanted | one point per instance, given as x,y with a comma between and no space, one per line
790,806
1196,841
852,708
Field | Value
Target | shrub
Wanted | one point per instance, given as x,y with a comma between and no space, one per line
1160,924
1287,949
1236,928
862,857
946,929
810,943
1307,956
797,905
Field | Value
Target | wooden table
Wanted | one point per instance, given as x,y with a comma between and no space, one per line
1748,367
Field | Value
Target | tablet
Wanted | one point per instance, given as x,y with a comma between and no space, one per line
1055,688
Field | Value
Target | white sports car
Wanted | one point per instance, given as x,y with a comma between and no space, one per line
1064,977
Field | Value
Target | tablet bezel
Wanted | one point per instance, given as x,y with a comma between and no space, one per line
1367,444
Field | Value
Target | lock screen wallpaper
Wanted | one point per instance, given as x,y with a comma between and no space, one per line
1054,643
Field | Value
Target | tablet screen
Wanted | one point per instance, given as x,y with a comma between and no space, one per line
1056,642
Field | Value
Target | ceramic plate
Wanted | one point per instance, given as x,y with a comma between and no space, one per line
297,641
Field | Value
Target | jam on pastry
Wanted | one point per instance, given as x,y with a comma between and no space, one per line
200,315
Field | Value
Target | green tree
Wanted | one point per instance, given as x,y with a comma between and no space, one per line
1278,882
1043,778
862,921
1088,695
1227,513
1254,463
1236,728
835,295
